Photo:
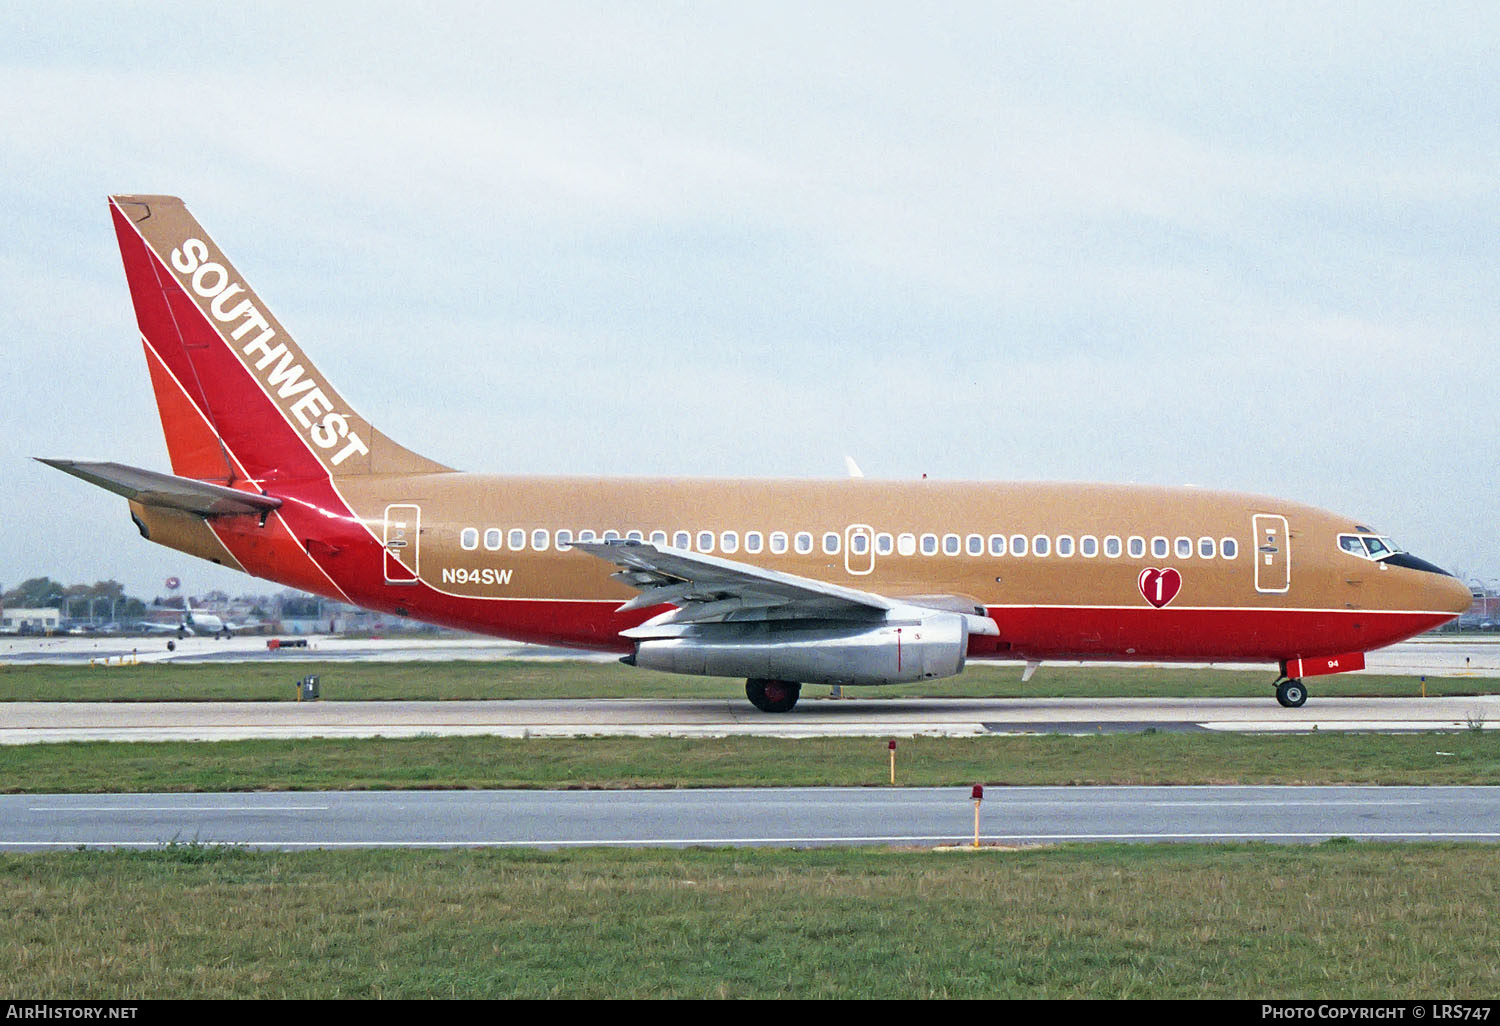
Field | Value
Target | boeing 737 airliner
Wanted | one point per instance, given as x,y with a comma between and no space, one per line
781,582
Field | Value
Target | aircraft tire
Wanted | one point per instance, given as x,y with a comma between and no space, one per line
1291,694
772,696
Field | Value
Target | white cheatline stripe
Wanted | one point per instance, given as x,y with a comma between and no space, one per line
1229,609
240,467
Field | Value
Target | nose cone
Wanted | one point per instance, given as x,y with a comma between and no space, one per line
1450,594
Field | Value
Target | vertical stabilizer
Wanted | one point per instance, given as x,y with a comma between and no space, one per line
237,396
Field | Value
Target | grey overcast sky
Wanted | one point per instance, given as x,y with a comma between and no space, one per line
1248,246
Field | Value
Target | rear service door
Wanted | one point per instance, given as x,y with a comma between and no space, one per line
403,528
1273,554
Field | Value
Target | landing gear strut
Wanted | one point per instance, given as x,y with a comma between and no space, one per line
1291,693
772,696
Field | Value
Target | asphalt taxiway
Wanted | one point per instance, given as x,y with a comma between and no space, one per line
781,817
37,722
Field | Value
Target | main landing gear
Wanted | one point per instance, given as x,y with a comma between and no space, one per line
772,696
1291,693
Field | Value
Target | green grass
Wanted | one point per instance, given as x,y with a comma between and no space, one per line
1467,757
265,681
1333,921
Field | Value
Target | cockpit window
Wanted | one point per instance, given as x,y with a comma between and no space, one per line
1368,546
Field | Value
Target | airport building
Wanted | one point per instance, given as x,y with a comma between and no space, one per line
30,621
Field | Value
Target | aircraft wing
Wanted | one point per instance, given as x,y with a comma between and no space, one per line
151,488
707,588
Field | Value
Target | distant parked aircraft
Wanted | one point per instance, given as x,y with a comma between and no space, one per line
198,621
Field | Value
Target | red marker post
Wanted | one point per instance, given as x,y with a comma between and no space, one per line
893,760
978,796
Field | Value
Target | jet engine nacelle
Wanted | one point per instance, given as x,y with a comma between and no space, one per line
924,648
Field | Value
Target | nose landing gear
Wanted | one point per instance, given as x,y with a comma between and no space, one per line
1291,693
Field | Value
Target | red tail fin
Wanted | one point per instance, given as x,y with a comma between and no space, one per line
237,396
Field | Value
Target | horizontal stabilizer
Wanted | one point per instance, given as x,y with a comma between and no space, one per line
155,489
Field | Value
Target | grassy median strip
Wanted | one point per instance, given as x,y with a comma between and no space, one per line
271,680
1337,920
1465,757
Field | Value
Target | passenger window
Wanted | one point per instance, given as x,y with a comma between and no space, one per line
1065,545
517,539
929,545
950,544
778,542
1018,545
753,542
1137,546
729,541
1184,548
539,540
975,545
635,536
682,540
1088,546
906,544
658,537
468,538
1159,547
997,544
564,540
859,544
884,543
1112,547
1041,545
803,542
1206,548
830,544
492,539
705,541
1228,548
586,536
611,536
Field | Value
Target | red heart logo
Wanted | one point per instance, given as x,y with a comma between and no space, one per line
1159,587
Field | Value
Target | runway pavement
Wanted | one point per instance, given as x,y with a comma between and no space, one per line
783,817
36,722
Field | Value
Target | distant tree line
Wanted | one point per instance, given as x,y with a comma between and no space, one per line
107,600
100,598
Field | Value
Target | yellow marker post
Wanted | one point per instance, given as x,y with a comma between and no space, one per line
978,796
893,760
